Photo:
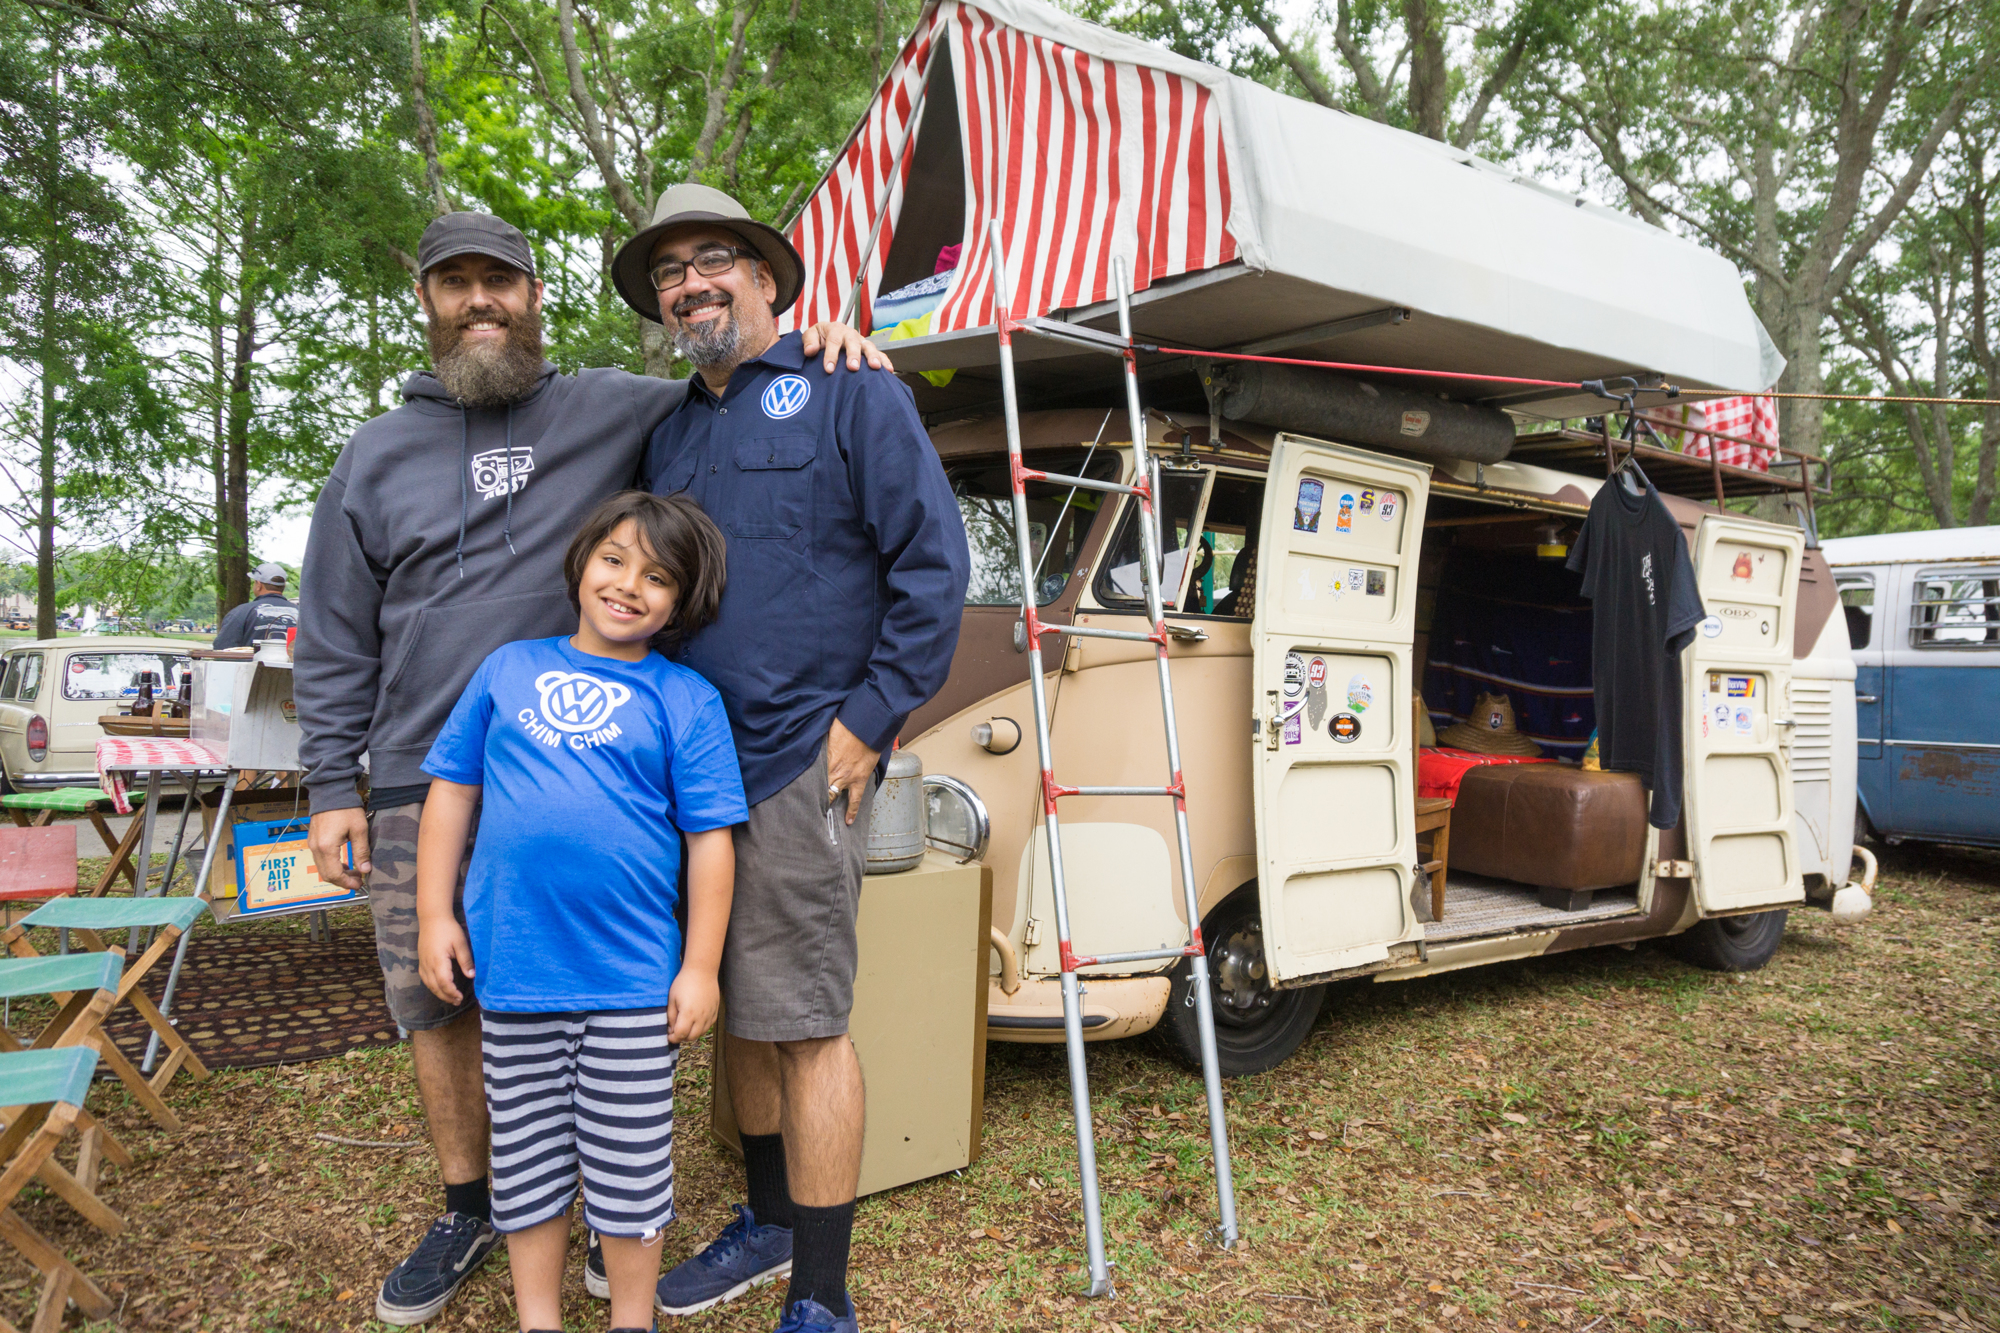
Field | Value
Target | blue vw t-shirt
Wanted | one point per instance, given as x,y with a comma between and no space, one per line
589,765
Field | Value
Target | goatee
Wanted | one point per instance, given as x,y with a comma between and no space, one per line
487,373
713,343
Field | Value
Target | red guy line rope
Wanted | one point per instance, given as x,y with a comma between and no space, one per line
1555,384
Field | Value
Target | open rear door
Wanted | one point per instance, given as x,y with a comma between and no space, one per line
1335,793
1739,718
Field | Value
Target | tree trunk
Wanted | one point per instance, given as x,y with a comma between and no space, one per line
1430,81
427,142
51,365
232,518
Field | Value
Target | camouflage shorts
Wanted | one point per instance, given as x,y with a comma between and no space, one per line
392,894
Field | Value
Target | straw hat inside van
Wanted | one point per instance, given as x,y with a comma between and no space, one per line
1490,729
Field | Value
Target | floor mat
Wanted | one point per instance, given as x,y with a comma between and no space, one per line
250,997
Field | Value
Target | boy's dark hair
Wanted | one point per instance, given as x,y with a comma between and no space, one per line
678,537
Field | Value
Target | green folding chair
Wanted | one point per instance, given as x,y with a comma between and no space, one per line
35,809
86,919
49,1088
73,981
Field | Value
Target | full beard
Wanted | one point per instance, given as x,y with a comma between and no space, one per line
484,373
716,342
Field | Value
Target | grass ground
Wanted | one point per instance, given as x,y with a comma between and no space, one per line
1598,1141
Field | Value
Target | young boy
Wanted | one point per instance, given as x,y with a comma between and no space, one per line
584,758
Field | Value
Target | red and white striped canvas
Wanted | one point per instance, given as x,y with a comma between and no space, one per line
1079,157
1749,419
832,228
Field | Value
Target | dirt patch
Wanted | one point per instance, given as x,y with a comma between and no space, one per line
1604,1140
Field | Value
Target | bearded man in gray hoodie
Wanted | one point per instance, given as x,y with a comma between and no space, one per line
439,537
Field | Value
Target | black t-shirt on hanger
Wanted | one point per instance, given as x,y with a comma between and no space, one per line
1645,608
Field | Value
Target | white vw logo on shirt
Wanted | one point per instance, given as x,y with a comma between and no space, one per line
786,395
575,702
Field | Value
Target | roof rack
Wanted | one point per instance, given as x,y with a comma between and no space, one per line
1672,471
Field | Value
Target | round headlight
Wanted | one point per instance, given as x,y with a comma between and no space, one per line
955,818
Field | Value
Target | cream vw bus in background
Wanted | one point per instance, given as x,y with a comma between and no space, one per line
1304,844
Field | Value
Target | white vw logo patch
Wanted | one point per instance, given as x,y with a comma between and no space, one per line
574,702
785,396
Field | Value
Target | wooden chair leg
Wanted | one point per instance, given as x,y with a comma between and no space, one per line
1441,853
54,1302
121,859
148,1094
50,1260
21,819
78,1196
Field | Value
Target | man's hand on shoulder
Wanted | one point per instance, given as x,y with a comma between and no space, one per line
838,340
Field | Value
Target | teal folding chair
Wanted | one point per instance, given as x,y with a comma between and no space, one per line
47,1089
72,980
86,919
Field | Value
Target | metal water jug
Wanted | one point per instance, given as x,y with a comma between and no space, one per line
896,827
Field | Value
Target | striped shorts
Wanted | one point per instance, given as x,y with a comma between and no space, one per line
589,1094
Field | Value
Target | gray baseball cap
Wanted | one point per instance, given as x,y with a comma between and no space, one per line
457,234
270,573
684,205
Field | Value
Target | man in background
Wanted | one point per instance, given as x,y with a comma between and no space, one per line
266,616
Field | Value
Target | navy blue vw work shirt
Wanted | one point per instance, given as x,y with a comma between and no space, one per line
847,558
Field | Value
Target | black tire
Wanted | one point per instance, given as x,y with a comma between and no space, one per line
1732,943
1256,1027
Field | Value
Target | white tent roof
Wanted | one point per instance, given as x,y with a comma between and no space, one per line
1335,217
1939,545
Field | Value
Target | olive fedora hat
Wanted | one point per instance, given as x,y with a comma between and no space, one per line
688,204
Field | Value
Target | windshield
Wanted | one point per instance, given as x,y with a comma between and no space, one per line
1058,521
118,675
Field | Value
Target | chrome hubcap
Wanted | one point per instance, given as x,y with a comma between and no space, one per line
1241,983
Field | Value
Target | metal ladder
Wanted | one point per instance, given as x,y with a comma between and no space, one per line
1149,528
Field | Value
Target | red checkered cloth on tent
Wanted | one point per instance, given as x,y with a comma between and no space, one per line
1440,770
119,757
1747,418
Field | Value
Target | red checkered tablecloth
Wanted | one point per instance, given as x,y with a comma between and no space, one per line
1748,418
119,757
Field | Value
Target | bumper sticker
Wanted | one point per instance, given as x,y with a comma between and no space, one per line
1305,515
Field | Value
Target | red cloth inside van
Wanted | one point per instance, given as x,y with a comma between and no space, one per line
1441,769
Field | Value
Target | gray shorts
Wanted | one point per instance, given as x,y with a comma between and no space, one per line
392,896
789,958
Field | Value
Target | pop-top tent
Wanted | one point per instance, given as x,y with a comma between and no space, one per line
1253,220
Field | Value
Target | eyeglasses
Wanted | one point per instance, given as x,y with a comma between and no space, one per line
671,273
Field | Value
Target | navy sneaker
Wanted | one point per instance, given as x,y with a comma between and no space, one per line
450,1252
812,1317
745,1255
595,1280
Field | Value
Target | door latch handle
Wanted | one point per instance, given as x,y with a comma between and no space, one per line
1867,699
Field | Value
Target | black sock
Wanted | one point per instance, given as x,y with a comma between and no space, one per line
820,1240
770,1193
471,1198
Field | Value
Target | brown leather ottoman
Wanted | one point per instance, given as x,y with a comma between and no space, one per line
1567,831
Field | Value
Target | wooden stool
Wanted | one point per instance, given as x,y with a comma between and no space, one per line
34,809
1434,818
1433,814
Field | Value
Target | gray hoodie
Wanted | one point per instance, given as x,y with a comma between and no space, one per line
439,537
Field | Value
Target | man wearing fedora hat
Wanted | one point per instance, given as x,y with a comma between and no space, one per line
438,537
847,575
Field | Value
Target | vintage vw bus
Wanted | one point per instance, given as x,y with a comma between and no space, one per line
1923,615
1305,845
